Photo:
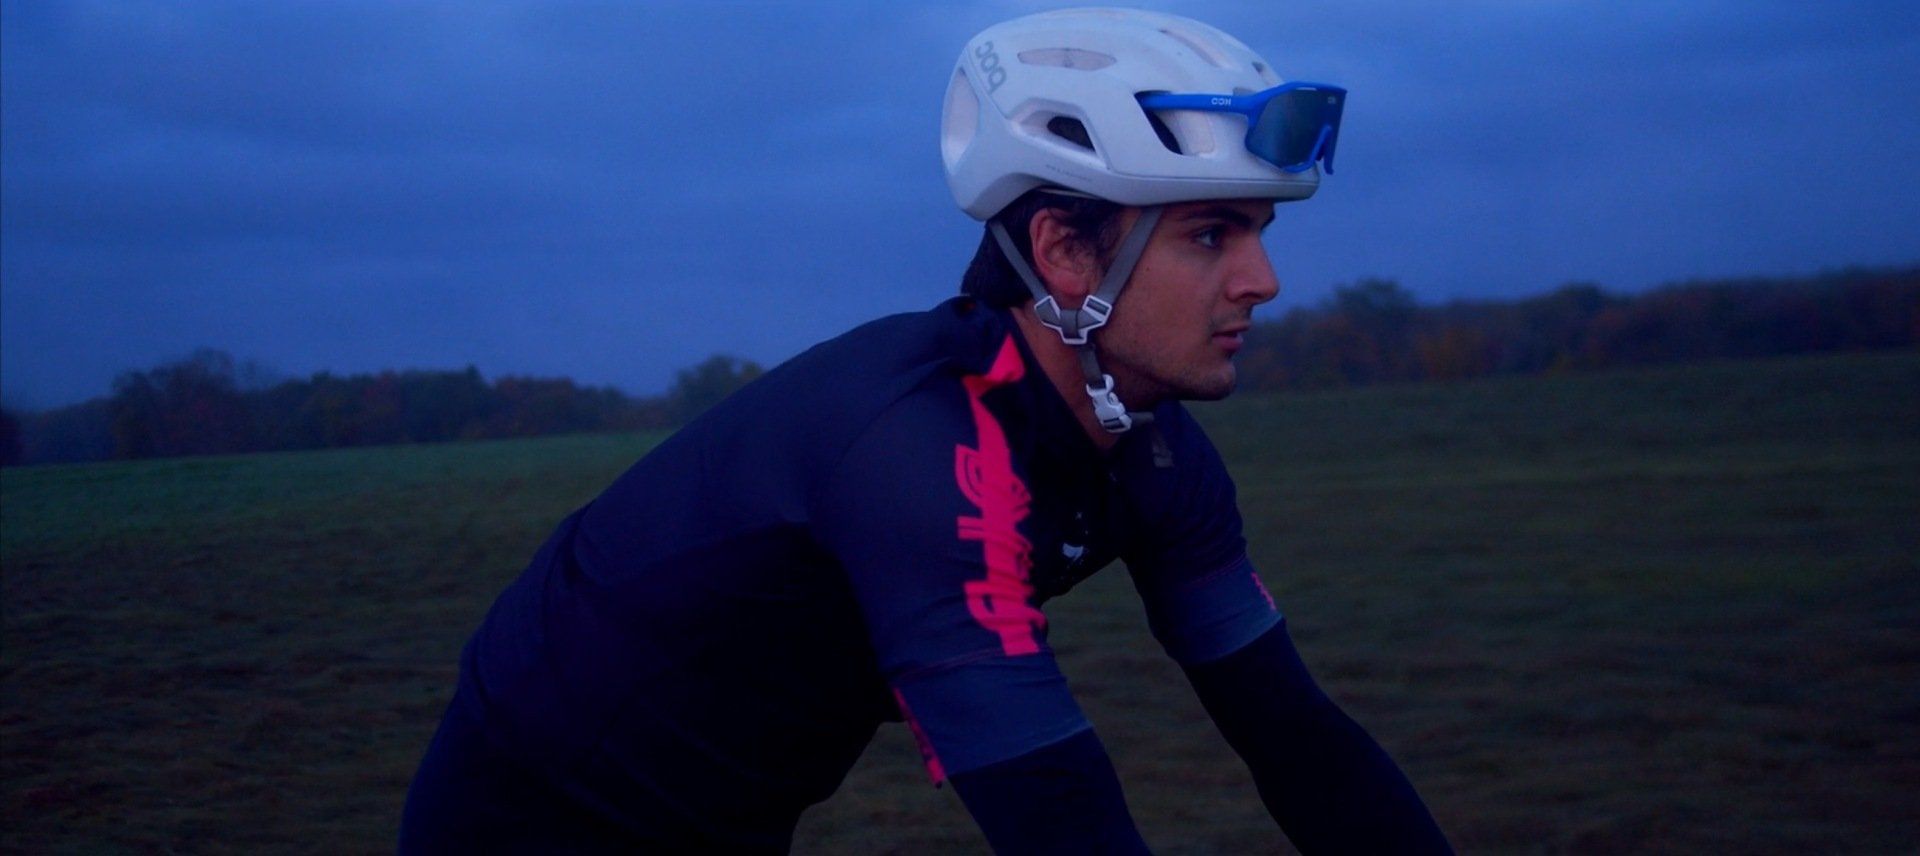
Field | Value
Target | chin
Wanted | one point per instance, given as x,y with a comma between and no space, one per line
1210,389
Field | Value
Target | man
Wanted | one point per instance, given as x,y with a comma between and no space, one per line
867,532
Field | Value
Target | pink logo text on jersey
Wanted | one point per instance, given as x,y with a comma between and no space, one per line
1002,601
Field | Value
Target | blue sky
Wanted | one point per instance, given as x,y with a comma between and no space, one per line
613,192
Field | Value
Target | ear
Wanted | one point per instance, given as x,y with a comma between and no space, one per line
1066,266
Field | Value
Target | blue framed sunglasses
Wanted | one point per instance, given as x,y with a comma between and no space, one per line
1291,126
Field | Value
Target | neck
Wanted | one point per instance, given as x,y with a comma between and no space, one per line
1062,367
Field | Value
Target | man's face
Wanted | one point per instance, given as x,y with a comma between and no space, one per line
1179,321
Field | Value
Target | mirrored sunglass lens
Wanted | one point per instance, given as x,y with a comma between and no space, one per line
1289,126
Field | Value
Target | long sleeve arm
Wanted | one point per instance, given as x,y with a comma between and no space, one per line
1060,798
1327,783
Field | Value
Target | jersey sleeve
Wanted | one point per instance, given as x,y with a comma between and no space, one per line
1189,558
924,513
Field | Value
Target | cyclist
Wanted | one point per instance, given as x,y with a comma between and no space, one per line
868,532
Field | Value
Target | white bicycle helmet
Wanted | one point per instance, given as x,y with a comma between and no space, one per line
1049,100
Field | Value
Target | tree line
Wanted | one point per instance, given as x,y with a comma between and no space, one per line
1368,332
1374,331
209,404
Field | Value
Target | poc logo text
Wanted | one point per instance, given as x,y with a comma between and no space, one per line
989,64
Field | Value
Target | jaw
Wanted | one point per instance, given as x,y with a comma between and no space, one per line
1143,387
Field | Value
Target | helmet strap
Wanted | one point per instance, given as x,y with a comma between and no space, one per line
1076,326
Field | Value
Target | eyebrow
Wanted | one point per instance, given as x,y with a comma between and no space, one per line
1233,216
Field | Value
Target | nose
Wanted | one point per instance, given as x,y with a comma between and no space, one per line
1252,280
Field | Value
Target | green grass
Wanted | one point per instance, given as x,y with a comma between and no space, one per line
1669,610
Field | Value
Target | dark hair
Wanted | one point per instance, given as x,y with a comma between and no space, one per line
990,279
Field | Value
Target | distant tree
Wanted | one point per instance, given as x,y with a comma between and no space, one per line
1882,309
1338,351
1377,341
1261,365
11,447
327,415
78,432
651,413
190,407
442,405
1454,353
1381,304
534,406
380,410
1545,332
703,386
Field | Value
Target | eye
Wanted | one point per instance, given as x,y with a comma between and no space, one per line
1211,236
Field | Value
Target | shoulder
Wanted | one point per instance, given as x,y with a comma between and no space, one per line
909,428
958,333
772,445
950,420
854,376
821,400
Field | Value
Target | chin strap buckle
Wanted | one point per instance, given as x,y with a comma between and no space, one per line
1107,408
1073,325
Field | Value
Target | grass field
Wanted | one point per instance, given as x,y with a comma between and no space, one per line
1662,610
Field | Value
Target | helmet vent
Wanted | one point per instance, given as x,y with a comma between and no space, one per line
1074,58
1072,130
960,121
1199,45
1165,133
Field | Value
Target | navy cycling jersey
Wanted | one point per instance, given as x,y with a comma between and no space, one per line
869,530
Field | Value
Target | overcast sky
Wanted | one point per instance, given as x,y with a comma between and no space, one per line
613,192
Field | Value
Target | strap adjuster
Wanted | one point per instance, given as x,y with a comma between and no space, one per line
1107,408
1073,325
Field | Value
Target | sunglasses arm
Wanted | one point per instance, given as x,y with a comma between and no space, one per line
1246,105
